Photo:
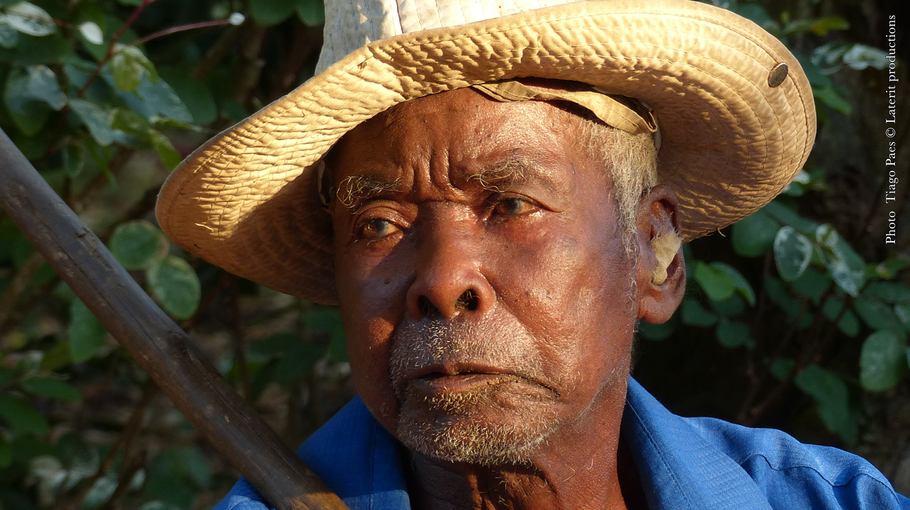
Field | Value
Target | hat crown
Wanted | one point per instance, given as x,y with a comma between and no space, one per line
350,25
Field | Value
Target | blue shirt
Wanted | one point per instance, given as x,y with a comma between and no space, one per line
684,463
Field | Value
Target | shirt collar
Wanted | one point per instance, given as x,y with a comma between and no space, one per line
679,468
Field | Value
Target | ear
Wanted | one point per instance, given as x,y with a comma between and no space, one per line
661,269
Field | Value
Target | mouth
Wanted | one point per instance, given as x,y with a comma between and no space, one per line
438,383
458,378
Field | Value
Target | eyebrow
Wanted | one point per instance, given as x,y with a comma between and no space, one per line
355,190
509,172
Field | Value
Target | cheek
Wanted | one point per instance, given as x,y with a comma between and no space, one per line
369,311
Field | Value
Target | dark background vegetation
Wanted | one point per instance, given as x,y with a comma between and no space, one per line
795,318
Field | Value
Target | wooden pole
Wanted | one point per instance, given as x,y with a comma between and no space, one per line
155,341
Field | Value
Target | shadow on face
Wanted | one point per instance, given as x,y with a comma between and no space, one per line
488,301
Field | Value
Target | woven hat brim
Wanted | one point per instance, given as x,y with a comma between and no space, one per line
246,200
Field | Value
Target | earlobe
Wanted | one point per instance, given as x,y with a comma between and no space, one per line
661,269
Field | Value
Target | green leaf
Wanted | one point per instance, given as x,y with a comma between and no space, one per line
860,57
74,159
826,235
338,351
57,357
311,12
847,268
7,375
176,475
781,368
327,320
816,77
716,283
733,334
887,292
91,32
166,151
82,458
95,119
848,324
130,122
777,293
52,388
194,94
730,307
788,217
877,315
275,344
830,97
792,252
29,19
882,361
162,100
812,284
21,416
101,491
742,285
138,244
757,14
53,49
693,314
176,286
832,398
822,26
86,334
128,65
888,269
6,453
298,361
29,96
902,311
271,12
42,85
28,115
754,235
9,36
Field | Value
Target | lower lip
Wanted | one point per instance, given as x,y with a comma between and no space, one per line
461,383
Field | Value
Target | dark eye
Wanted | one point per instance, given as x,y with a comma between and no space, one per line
377,229
513,207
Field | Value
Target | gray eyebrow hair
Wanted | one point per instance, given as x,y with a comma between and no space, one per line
502,175
509,172
355,190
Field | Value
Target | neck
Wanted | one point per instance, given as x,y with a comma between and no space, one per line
579,467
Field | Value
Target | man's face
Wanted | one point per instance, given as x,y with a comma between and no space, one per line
487,298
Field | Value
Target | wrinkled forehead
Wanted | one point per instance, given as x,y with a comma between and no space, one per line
476,133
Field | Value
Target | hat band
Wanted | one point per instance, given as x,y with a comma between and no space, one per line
621,112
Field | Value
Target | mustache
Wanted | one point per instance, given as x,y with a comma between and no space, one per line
432,343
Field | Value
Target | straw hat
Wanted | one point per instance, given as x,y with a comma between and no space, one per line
736,126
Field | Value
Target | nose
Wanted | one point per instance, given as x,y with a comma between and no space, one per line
449,280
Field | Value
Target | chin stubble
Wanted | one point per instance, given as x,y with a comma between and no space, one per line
504,422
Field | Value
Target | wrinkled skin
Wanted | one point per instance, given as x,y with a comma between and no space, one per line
488,301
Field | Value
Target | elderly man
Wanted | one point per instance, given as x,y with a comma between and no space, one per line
494,205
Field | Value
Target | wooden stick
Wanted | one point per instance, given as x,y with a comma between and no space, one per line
155,341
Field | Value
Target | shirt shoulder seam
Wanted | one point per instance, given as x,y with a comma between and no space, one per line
820,474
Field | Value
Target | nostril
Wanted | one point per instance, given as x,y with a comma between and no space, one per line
427,308
468,301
